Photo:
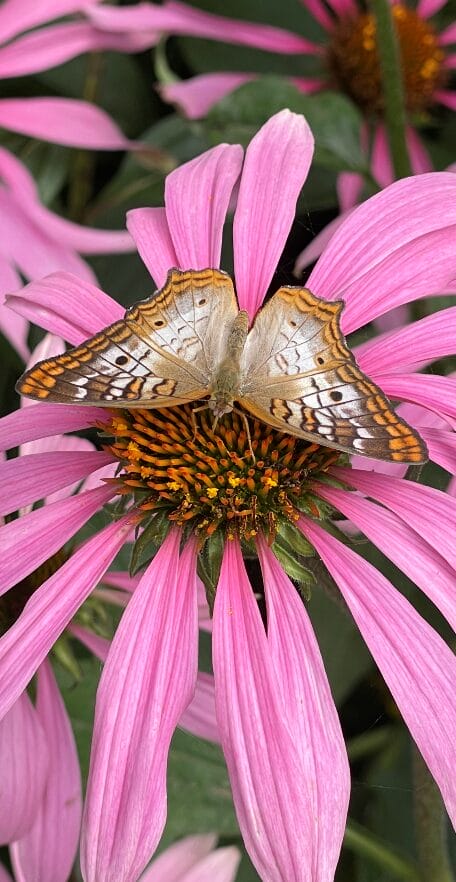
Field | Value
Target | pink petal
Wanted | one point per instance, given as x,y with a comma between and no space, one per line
349,189
197,195
24,762
121,579
28,541
419,157
275,168
180,19
66,121
311,714
429,512
51,46
450,64
381,165
4,875
14,327
28,478
401,544
381,247
30,248
48,850
179,858
419,668
150,231
147,682
436,393
448,36
271,793
447,98
17,16
199,717
197,95
441,446
320,13
99,646
48,612
426,8
66,305
219,866
308,85
410,347
43,420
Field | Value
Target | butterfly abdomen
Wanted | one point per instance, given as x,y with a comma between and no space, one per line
226,382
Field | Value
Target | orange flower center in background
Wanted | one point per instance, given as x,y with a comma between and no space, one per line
12,602
177,467
354,64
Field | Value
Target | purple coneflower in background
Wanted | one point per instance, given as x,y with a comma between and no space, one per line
277,721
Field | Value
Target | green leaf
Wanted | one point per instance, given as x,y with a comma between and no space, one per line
147,544
334,120
209,563
294,568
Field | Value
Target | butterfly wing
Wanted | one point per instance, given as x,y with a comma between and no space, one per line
301,378
162,353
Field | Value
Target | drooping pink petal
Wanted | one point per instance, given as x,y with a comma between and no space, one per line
436,393
147,681
308,85
448,35
320,13
179,858
29,246
199,717
441,446
28,541
197,95
24,763
180,19
197,195
309,709
424,509
349,188
426,8
276,165
99,646
381,164
48,850
150,231
17,16
412,554
28,478
381,247
271,793
410,347
418,667
58,43
66,305
343,8
219,866
43,420
66,121
121,579
52,606
447,98
4,875
13,326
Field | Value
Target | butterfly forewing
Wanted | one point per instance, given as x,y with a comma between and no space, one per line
300,377
162,353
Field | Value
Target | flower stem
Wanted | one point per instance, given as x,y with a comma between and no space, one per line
430,825
393,89
364,843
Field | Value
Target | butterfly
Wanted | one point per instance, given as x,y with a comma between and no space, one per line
292,369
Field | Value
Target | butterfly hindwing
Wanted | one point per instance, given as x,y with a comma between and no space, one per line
302,378
158,355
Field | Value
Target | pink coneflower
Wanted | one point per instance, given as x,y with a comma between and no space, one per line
61,120
277,721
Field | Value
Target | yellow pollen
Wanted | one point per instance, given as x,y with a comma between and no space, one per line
352,58
207,481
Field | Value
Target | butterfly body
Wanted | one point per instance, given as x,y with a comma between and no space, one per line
292,369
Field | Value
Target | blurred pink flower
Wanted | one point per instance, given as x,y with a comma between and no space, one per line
346,54
277,722
194,859
61,120
35,240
